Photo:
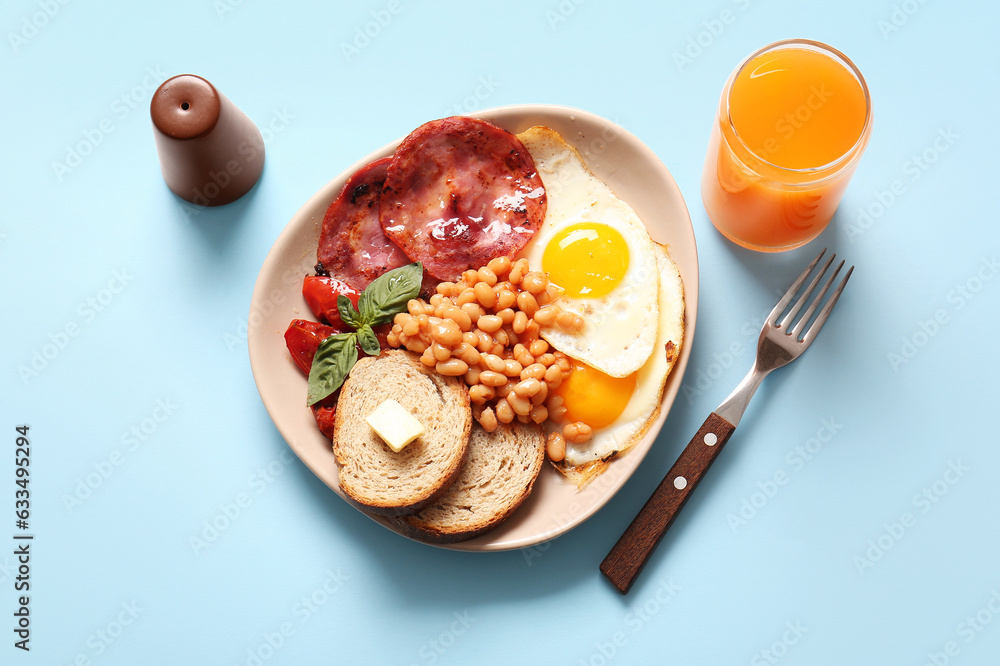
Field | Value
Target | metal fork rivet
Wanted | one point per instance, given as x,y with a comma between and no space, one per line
711,439
680,483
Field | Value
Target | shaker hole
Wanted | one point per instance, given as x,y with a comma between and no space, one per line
185,106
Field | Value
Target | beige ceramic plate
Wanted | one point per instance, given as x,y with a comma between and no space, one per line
635,174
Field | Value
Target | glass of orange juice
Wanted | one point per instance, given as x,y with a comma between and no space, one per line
793,121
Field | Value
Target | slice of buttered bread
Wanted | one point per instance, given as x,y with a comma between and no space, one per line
499,471
372,474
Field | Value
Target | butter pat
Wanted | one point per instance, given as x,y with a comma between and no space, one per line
395,424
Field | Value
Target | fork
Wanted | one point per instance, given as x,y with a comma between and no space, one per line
780,343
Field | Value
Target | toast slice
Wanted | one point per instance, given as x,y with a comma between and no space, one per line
371,474
499,471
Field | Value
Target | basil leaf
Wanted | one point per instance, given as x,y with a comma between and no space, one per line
333,360
389,293
369,343
348,314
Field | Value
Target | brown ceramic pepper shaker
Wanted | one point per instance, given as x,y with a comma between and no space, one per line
210,152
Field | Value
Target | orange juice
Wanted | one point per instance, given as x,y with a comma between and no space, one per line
793,120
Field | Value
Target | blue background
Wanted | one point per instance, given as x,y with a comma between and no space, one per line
153,387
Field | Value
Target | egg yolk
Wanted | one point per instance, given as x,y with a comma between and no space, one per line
593,397
587,259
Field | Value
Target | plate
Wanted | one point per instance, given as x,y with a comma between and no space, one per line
555,506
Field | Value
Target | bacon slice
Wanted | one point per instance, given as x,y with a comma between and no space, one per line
459,192
352,245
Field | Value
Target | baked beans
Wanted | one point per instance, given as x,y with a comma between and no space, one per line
486,328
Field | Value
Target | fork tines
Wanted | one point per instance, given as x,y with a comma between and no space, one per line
786,321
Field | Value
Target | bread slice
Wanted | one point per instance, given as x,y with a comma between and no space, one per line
373,475
499,471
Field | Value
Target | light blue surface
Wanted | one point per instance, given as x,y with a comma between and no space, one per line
168,343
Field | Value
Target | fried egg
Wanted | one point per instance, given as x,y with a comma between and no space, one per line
626,289
621,409
593,246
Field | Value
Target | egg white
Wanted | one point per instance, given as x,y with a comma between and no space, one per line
620,327
644,405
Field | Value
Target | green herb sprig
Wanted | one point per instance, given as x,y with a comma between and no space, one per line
386,296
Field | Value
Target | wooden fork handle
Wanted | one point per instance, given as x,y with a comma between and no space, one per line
629,555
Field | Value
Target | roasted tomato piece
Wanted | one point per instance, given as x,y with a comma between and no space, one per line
302,339
326,414
381,332
321,293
